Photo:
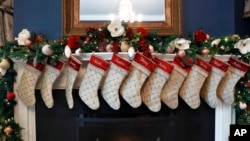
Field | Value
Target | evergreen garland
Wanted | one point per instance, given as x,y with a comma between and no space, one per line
95,41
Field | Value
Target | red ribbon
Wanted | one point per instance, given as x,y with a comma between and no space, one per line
121,62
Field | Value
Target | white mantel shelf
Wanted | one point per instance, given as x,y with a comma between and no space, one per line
25,116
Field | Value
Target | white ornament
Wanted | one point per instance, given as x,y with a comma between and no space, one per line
67,51
215,42
46,50
131,52
78,52
151,48
242,105
3,71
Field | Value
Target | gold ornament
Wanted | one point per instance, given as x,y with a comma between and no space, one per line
8,130
124,46
4,64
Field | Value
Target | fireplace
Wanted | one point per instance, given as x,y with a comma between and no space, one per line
106,124
40,123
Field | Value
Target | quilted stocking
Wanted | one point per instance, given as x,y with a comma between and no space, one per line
119,68
139,72
151,90
91,81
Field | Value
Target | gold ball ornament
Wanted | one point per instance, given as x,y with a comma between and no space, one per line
4,64
124,46
8,130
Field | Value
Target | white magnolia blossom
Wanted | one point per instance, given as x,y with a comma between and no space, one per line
243,45
115,28
182,43
215,42
23,36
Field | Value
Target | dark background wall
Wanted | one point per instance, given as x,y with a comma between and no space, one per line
216,17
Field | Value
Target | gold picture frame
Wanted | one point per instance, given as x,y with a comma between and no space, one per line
171,26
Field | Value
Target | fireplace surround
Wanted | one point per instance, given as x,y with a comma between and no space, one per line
26,116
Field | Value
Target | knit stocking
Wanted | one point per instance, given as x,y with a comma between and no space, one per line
169,93
91,81
151,90
74,66
190,90
119,68
208,90
27,84
236,70
131,87
50,74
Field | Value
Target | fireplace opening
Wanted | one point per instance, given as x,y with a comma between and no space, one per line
125,124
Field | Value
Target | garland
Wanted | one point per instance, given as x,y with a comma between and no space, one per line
114,37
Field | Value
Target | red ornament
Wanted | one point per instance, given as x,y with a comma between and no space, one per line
205,51
189,61
10,96
73,41
200,36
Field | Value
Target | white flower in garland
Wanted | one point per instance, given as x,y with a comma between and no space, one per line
115,28
243,45
182,43
23,36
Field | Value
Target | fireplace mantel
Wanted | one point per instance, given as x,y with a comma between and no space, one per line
25,116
